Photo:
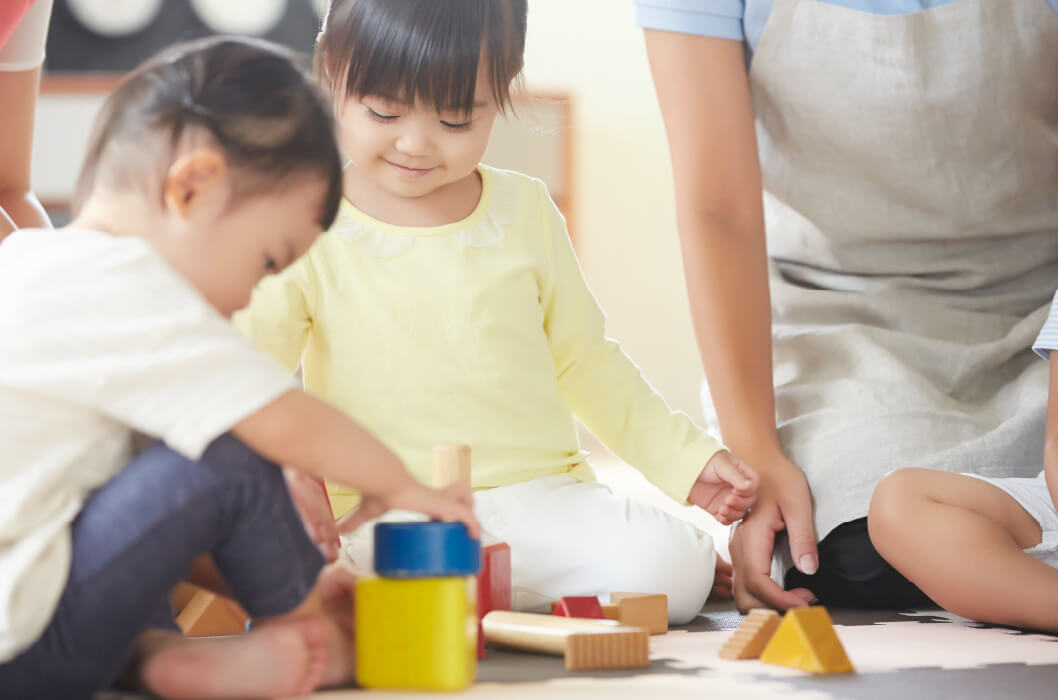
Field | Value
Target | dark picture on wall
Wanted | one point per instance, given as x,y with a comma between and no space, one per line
113,36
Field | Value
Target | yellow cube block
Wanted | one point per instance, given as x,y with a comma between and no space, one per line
416,634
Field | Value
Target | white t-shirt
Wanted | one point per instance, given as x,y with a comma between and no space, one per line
25,49
99,338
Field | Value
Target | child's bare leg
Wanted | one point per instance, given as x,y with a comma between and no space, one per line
960,540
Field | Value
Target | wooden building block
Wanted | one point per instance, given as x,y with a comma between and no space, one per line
749,640
416,634
451,464
806,640
647,610
494,585
585,644
206,614
584,606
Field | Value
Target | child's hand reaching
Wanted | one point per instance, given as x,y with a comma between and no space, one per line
453,503
727,488
310,497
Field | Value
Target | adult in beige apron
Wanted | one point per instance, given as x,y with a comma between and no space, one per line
910,170
910,173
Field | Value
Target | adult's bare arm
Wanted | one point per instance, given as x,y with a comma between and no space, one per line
703,91
1050,450
18,95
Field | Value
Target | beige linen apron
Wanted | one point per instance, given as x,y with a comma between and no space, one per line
910,168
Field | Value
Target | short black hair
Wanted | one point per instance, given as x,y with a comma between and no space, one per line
424,51
263,111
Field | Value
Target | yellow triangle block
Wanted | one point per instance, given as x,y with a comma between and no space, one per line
806,640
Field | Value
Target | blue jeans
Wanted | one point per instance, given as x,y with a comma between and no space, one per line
137,538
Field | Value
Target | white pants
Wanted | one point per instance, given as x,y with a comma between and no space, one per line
1032,495
573,538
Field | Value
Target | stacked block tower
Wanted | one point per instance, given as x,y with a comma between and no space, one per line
417,621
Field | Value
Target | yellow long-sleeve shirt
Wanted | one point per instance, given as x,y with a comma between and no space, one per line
480,332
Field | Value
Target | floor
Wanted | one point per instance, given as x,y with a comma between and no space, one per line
928,654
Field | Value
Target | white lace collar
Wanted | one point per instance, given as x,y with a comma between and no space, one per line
484,227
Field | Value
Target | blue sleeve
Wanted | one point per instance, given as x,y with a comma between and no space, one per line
717,18
1048,339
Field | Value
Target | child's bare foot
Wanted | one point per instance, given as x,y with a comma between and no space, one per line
276,661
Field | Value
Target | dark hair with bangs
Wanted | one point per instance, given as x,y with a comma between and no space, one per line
424,51
260,108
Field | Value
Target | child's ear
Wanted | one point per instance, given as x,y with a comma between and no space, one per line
194,179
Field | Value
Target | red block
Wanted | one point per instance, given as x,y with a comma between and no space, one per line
579,606
494,585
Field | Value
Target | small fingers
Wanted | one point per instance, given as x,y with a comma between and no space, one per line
735,506
465,514
735,472
369,509
751,549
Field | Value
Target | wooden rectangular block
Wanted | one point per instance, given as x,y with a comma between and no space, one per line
494,585
585,644
416,634
647,610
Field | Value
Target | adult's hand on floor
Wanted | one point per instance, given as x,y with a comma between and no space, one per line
784,503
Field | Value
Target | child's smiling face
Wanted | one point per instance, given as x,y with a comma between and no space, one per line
412,150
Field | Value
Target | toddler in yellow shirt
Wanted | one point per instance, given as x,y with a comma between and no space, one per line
446,305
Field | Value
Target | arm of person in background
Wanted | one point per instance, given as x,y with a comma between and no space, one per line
18,95
1050,450
703,90
20,60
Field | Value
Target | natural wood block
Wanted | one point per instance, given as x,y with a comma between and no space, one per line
451,464
749,640
182,595
585,644
647,610
210,615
